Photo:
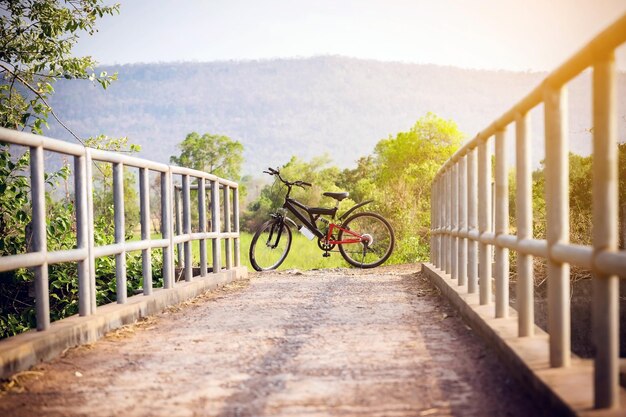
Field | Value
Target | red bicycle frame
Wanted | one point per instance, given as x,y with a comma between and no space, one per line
331,241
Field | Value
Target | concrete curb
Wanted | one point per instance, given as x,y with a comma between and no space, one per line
20,352
568,391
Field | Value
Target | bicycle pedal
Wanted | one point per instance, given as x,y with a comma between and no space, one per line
326,255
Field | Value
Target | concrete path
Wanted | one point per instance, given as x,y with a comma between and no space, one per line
338,343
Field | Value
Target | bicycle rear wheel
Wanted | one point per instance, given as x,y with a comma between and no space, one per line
376,243
270,245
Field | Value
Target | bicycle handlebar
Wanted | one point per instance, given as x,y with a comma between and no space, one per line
272,171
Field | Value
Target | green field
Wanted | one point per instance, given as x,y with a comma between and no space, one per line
304,254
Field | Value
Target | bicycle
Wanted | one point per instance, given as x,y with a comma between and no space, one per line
364,239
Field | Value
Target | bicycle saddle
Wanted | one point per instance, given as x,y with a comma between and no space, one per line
337,196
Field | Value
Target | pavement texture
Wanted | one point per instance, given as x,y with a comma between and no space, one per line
339,342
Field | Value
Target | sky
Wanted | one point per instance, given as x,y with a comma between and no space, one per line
518,35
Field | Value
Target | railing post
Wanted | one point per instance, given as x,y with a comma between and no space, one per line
188,268
39,239
484,220
227,227
524,221
432,223
454,214
90,232
448,228
442,222
179,229
439,216
442,214
557,208
166,229
237,245
144,203
215,217
118,209
605,233
472,221
502,225
202,221
82,238
438,224
462,220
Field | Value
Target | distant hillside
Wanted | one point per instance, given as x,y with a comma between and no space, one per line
283,107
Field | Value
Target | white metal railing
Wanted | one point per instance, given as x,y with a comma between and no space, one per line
86,252
463,235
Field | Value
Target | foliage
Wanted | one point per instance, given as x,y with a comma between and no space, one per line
14,200
14,216
36,40
407,164
103,185
579,200
215,154
360,180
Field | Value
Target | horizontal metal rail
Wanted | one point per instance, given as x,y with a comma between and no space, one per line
39,258
465,216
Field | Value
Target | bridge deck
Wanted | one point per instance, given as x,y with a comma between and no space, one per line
341,342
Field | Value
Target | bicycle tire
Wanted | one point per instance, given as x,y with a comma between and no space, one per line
264,257
364,255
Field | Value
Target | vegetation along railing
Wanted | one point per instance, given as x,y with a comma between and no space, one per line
464,234
224,222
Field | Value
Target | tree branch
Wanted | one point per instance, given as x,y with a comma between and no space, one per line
19,33
42,98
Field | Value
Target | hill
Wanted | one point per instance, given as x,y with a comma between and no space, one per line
283,107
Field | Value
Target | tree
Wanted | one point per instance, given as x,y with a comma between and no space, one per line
215,154
360,181
36,40
407,164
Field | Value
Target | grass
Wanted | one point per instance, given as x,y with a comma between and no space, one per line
304,254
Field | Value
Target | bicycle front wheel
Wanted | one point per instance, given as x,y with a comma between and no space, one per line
270,245
377,240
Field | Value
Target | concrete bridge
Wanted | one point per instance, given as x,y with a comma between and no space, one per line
338,342
335,342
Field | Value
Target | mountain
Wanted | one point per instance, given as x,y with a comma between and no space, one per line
305,107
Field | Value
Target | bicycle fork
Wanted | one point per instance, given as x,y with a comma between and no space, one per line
278,224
